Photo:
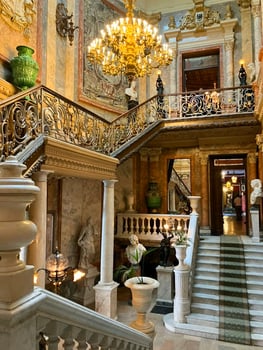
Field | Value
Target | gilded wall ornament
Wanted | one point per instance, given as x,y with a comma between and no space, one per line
199,17
18,14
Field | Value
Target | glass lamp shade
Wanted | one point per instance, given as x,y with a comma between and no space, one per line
56,265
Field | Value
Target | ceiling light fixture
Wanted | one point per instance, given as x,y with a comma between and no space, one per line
129,46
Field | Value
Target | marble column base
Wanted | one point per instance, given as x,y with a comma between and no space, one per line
106,299
165,276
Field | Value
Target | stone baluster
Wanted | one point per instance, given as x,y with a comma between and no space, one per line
52,331
68,337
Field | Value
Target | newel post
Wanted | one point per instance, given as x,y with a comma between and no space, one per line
16,193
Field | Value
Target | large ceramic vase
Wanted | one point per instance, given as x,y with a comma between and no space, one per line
153,198
24,68
143,299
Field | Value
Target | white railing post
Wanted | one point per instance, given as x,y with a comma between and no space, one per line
16,278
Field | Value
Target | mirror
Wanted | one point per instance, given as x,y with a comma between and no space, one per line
179,185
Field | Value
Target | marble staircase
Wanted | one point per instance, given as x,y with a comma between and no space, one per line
204,319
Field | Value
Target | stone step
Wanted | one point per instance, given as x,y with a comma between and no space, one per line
214,321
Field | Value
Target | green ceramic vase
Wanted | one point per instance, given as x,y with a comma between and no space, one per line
153,198
24,68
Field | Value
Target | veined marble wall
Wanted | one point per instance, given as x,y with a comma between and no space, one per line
76,200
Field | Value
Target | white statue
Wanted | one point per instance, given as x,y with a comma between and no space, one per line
131,95
135,250
86,244
257,190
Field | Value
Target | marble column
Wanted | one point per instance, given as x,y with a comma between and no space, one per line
106,289
142,181
256,13
229,64
36,253
246,45
173,73
204,195
154,166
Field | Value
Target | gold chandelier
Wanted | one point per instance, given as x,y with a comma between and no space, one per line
130,46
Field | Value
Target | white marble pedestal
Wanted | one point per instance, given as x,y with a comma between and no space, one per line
165,276
85,294
255,223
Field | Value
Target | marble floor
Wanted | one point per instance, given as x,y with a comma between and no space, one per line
166,340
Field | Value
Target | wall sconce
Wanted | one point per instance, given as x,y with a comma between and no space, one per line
57,270
64,24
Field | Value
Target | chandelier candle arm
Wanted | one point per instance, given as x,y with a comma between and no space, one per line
129,46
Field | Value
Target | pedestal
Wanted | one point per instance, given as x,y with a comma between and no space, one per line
86,293
256,234
165,294
106,299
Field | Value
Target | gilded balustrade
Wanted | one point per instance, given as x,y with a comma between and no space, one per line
40,110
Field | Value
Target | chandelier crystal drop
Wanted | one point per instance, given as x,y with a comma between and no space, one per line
130,46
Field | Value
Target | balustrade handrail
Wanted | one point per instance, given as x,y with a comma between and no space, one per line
149,227
59,318
40,110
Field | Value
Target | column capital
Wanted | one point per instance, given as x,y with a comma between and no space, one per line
41,176
229,45
256,10
109,183
154,154
252,157
144,153
259,141
244,4
203,158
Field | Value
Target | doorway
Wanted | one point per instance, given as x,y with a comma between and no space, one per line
201,70
228,195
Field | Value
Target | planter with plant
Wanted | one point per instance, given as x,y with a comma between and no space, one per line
143,288
180,243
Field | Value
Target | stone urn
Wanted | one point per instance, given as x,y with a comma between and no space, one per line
144,295
180,252
24,68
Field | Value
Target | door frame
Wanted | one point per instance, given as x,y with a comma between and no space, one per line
216,192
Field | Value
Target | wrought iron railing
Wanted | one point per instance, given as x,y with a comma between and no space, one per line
40,110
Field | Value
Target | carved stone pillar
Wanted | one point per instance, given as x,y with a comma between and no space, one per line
204,222
247,46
